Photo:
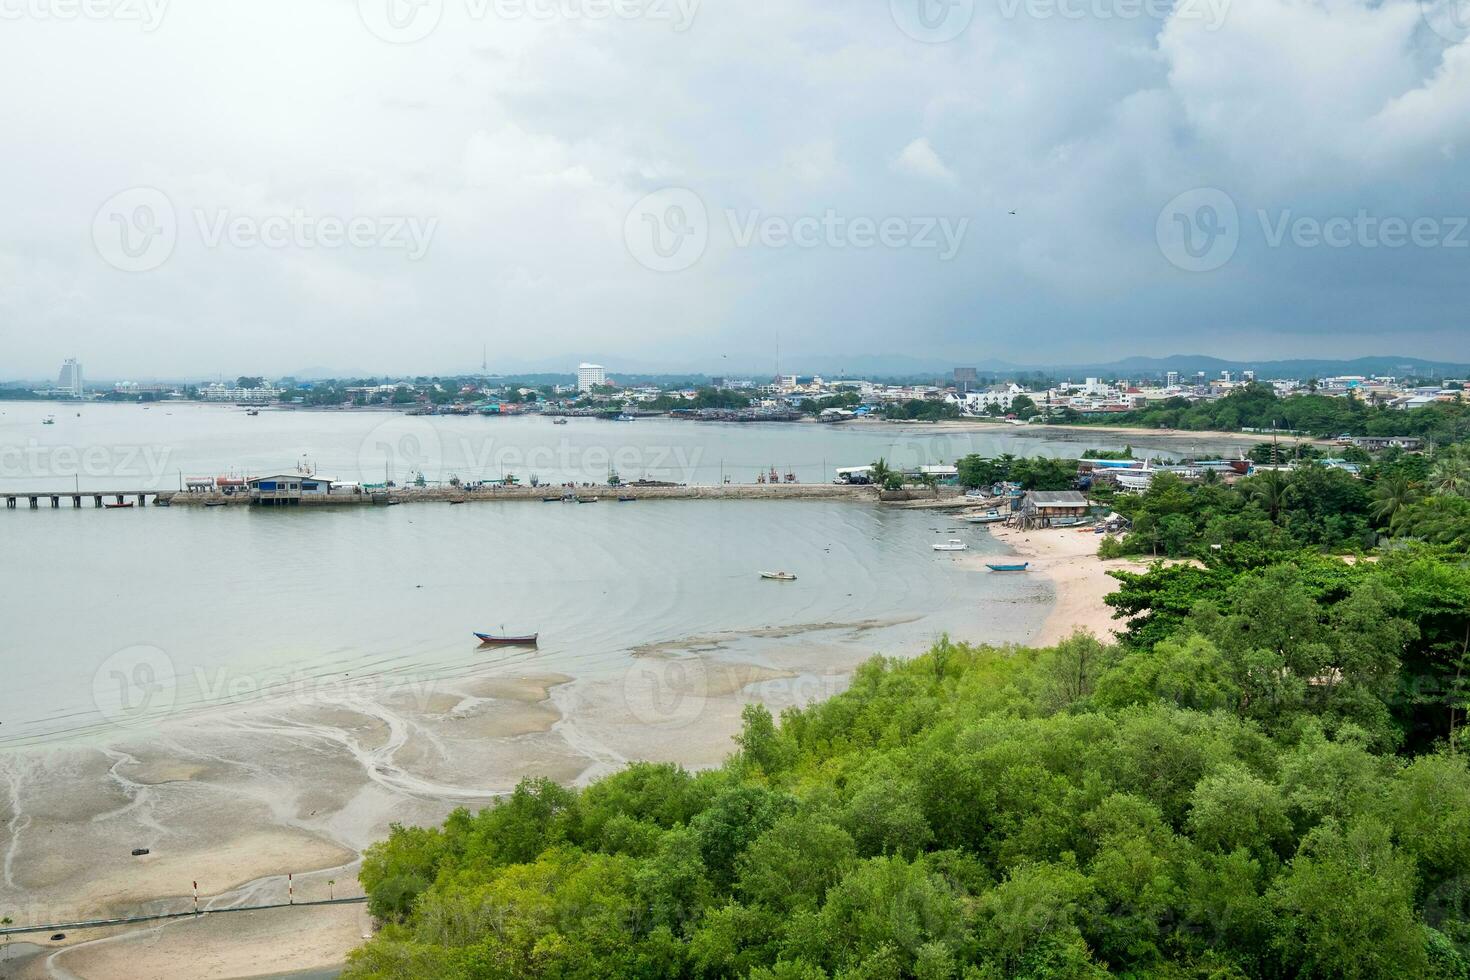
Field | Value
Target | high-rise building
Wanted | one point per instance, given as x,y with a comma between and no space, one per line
590,376
1172,379
70,378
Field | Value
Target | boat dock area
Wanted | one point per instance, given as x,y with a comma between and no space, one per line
133,499
109,499
600,493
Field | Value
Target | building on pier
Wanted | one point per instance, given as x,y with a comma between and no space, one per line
288,489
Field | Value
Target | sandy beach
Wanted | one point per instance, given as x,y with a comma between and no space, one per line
238,797
1068,557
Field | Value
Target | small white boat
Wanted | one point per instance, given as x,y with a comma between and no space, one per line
778,576
49,420
953,544
986,517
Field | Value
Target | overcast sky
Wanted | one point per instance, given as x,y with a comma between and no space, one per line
266,186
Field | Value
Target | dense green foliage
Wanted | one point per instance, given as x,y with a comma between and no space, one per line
1274,511
921,410
703,398
1400,496
1036,473
1227,792
1257,406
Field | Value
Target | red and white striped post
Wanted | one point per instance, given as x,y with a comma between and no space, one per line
196,898
290,890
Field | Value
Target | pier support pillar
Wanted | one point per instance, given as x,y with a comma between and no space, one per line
10,503
142,500
76,500
55,502
97,500
35,503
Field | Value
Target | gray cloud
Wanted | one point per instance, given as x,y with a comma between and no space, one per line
298,150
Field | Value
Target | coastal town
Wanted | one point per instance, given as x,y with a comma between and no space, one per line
591,391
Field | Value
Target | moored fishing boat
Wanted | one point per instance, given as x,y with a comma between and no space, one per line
1008,568
953,544
493,640
986,517
778,576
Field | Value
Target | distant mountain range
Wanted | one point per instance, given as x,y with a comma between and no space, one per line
902,367
1185,364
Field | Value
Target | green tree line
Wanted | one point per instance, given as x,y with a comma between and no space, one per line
1264,777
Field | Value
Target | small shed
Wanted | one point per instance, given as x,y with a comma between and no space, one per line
1053,508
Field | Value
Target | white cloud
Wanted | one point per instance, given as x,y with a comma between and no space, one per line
919,159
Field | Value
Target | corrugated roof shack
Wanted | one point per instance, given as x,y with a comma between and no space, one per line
1053,508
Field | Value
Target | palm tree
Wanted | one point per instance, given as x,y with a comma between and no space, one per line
931,481
1392,496
1270,490
1451,475
880,471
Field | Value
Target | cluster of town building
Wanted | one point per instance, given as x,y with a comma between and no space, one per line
964,392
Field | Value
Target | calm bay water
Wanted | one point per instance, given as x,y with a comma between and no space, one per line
106,447
199,606
135,615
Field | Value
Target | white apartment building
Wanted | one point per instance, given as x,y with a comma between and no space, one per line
980,402
70,378
225,393
590,376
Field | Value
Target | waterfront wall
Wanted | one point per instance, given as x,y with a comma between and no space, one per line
782,491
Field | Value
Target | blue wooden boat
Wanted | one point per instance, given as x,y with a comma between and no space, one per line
1008,568
491,640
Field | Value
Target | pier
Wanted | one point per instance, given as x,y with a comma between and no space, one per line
115,499
101,499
